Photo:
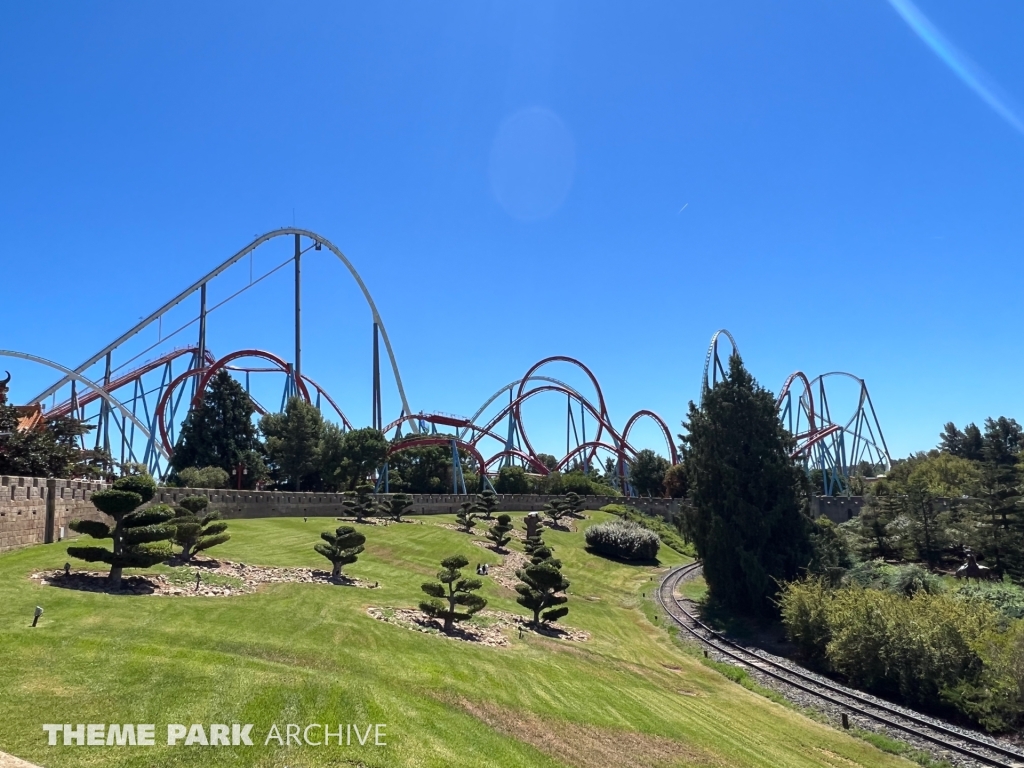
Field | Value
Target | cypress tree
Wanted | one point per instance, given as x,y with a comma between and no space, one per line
195,531
219,431
341,547
452,592
501,532
747,519
140,538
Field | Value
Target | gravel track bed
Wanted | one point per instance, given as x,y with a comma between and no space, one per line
832,712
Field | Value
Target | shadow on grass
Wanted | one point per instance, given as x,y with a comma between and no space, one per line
96,582
623,561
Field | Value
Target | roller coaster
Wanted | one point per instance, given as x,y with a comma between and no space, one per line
838,442
137,399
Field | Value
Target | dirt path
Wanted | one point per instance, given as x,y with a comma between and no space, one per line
10,761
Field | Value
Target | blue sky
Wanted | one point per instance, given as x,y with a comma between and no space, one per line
515,180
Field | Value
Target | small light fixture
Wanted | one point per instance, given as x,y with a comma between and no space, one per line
38,613
67,569
198,578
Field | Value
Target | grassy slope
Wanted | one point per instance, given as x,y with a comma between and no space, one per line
305,653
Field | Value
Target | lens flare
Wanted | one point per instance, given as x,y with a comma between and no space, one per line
969,72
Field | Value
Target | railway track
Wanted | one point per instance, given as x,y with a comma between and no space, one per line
982,750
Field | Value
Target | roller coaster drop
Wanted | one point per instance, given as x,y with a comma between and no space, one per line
137,408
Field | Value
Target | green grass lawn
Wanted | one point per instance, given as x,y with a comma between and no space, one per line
309,653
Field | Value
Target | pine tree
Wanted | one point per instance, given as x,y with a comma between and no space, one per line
537,550
999,510
140,538
466,516
539,588
294,442
747,520
219,431
501,532
195,531
341,547
452,592
362,503
486,503
556,509
573,504
397,506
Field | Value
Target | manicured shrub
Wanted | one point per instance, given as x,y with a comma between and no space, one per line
398,505
140,539
486,503
540,590
501,532
451,593
466,517
341,547
667,533
623,539
195,529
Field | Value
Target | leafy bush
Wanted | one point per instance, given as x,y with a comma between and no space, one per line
1005,597
667,533
623,539
205,477
932,650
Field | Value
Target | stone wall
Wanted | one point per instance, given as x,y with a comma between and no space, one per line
37,510
251,504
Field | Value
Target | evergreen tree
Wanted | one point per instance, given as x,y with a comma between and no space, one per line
974,443
951,440
555,510
512,480
451,593
746,520
1000,520
539,590
647,473
466,517
537,550
486,503
195,531
573,504
501,532
294,442
341,547
1002,441
875,525
218,432
928,519
361,504
140,538
397,506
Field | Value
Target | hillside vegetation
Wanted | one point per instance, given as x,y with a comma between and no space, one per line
305,653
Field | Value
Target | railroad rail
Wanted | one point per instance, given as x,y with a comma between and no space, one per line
984,751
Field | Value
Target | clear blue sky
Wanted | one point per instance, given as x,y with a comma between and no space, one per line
515,180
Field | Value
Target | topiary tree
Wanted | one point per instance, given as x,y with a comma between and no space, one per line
539,588
486,503
195,531
140,539
573,504
501,532
556,509
361,504
466,516
538,551
341,547
452,592
397,505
